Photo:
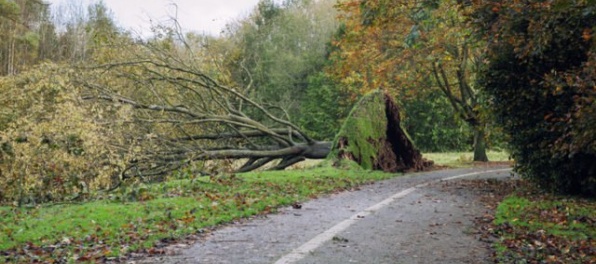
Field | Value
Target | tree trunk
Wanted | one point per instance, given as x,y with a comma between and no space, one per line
479,145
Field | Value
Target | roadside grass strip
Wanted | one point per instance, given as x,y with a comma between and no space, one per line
139,218
541,228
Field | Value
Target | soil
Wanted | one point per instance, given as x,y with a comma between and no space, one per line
376,143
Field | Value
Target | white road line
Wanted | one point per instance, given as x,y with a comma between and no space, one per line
302,251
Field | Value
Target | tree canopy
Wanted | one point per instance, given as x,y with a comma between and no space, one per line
412,49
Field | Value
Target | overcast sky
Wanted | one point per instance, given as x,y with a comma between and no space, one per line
203,16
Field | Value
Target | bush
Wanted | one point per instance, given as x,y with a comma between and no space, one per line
50,147
541,75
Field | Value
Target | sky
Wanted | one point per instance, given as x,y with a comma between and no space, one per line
202,16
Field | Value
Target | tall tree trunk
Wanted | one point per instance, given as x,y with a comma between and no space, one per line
11,55
479,144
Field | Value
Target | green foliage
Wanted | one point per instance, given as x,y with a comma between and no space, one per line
433,125
279,46
541,76
20,29
324,109
9,10
92,231
365,128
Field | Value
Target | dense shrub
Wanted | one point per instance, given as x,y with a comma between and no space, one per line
541,75
51,148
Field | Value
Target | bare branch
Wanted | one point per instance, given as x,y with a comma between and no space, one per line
174,114
287,162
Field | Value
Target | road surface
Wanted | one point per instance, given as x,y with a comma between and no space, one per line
417,218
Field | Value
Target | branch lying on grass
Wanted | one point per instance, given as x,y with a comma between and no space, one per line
191,118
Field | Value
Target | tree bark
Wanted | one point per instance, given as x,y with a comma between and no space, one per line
479,145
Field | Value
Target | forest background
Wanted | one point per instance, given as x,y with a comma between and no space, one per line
113,143
86,105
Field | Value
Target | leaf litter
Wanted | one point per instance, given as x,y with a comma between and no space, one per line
544,229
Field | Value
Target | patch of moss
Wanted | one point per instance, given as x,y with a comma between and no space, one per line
365,128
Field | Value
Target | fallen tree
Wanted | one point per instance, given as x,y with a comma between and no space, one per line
176,115
150,111
144,120
170,114
372,136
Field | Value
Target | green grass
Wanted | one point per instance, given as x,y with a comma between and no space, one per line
562,218
463,159
177,208
541,228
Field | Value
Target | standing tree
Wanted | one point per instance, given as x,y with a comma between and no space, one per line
22,23
412,47
279,47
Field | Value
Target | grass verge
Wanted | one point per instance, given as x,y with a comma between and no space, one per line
534,227
140,217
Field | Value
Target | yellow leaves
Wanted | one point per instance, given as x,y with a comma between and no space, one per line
56,149
188,218
447,57
395,49
137,149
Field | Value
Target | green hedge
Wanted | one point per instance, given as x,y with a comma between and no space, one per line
541,75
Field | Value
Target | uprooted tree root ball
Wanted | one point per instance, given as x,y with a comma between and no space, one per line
372,136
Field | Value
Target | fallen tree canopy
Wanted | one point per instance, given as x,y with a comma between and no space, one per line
373,137
184,117
99,131
221,123
157,113
167,114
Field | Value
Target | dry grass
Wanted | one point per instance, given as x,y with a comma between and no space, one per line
464,159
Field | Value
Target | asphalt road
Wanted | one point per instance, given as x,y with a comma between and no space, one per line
417,218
